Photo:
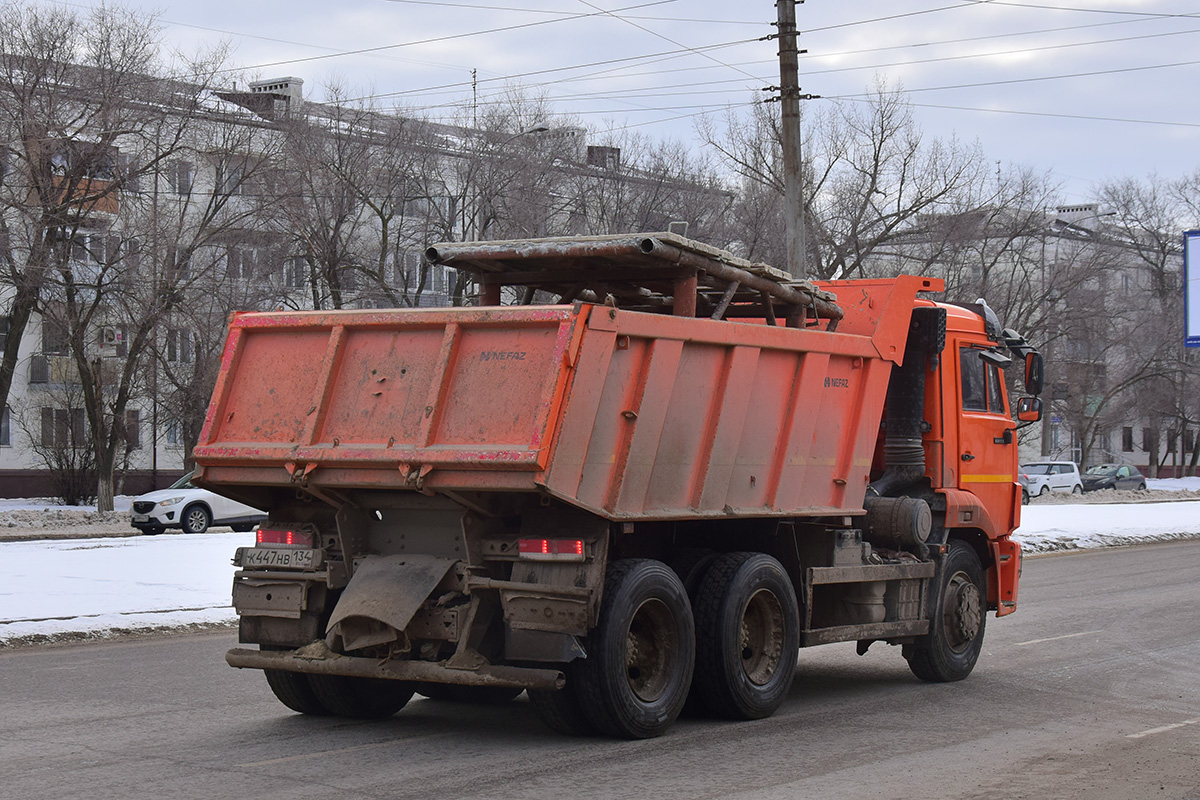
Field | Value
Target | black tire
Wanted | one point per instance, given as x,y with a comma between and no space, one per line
691,564
450,693
1142,487
636,676
1077,489
562,711
195,519
956,620
1024,497
1044,490
294,690
361,698
747,636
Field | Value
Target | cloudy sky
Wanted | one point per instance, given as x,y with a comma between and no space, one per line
1085,89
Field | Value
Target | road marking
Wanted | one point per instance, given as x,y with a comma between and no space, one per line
1056,638
1164,728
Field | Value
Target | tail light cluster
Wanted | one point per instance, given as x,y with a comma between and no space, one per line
288,537
552,549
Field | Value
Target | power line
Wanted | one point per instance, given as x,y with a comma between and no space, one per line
611,61
1039,79
437,39
567,13
665,38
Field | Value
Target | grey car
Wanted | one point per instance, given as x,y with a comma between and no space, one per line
1113,476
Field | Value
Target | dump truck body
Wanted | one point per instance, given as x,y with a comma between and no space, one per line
498,496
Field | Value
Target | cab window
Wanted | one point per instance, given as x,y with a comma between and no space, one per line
995,393
974,384
981,383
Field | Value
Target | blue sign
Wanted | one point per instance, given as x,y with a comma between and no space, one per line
1191,288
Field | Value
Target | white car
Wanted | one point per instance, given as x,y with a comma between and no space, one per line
192,509
1043,477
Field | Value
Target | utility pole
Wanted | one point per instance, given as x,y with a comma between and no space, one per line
789,99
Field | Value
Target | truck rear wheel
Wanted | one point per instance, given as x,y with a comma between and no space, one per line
747,636
562,711
636,676
951,648
361,698
452,693
294,691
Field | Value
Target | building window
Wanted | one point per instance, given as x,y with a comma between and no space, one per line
1189,440
1127,440
1149,440
179,345
295,271
182,177
174,433
133,428
55,337
230,179
6,427
62,428
3,333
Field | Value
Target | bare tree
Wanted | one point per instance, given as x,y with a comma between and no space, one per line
94,117
868,175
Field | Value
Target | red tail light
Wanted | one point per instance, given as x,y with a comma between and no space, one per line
552,549
292,538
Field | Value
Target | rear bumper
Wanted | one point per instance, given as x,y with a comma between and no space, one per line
317,659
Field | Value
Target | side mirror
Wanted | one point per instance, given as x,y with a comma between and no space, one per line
1029,409
1033,373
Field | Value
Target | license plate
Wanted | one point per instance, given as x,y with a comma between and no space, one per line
141,517
278,558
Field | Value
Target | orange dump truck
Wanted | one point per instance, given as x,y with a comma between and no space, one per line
664,479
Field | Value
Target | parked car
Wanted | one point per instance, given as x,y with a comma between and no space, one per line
190,508
1113,476
1043,477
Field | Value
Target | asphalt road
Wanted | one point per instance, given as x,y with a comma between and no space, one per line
1092,689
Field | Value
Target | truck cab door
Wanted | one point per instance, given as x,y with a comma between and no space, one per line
987,460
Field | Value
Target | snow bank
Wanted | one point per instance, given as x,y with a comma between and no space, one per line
1067,527
92,586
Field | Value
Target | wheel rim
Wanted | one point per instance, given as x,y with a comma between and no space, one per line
962,612
762,637
650,650
197,519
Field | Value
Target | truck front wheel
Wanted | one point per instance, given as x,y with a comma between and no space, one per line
747,636
951,648
636,676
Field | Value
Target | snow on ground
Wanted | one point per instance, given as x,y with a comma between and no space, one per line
99,586
95,587
1174,484
1067,527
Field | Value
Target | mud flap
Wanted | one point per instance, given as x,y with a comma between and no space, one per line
382,597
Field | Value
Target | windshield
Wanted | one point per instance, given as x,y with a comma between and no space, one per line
183,483
1037,469
1102,469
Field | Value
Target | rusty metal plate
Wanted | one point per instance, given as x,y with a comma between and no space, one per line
390,589
258,598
